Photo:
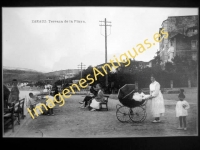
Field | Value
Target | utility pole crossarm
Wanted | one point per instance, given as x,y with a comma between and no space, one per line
104,25
106,21
81,65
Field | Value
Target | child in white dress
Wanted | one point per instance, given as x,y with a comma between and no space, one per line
181,110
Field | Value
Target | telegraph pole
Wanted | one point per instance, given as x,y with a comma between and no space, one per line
105,43
82,67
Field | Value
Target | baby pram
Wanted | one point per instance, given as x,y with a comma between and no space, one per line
130,110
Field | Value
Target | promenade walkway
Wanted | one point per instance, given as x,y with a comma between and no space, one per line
71,121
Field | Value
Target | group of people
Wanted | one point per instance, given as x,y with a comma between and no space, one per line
12,96
33,100
94,97
158,107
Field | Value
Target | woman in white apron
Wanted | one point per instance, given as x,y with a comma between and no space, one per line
158,106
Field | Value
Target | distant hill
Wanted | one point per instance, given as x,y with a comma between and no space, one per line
21,74
20,69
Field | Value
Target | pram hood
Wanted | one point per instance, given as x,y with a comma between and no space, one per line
126,91
125,95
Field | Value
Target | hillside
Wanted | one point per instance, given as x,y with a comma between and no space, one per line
9,74
19,69
22,74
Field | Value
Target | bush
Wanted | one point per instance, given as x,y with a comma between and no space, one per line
31,85
173,92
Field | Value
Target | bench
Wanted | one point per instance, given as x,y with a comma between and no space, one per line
19,109
105,103
22,107
9,117
17,112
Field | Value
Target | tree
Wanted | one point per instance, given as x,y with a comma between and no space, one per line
157,58
169,67
58,82
185,68
39,83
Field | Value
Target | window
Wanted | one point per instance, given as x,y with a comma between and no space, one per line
194,57
194,44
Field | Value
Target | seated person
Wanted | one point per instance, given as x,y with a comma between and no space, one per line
50,103
88,98
95,104
33,100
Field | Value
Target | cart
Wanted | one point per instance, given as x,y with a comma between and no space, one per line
130,110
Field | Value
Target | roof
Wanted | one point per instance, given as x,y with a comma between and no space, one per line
182,16
108,63
142,61
174,34
151,60
163,22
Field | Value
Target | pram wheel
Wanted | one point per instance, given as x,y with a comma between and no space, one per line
145,115
137,114
118,105
122,114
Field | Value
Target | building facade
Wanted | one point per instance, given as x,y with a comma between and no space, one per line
182,39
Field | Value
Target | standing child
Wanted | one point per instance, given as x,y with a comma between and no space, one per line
181,110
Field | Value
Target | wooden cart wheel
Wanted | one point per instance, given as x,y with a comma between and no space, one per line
122,114
137,114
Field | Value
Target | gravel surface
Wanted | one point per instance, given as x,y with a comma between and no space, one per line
74,122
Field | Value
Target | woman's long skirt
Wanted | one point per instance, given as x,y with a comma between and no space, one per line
95,104
158,106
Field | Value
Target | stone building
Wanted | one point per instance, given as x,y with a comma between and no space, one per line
182,39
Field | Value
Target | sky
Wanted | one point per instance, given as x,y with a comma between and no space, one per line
57,46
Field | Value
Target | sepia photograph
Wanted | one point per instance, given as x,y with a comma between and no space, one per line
100,72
